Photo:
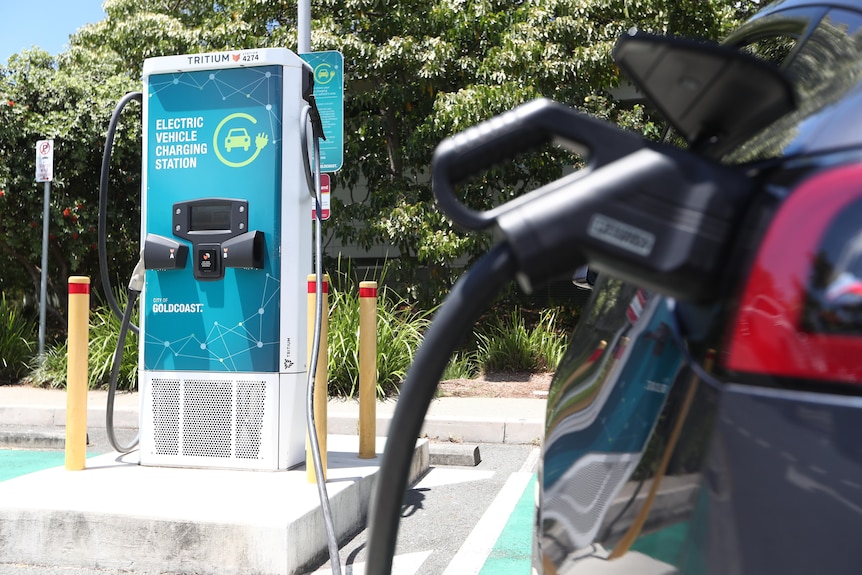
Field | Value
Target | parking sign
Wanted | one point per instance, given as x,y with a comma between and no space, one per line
44,160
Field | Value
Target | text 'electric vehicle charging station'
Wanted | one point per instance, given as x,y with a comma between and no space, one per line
227,249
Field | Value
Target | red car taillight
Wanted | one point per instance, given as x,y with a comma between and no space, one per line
801,311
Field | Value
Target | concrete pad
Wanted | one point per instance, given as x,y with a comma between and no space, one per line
117,514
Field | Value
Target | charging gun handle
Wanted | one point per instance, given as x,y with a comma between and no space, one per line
503,137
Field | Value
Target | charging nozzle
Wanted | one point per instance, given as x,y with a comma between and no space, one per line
642,211
136,282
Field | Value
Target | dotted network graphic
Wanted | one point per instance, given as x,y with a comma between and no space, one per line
222,344
250,87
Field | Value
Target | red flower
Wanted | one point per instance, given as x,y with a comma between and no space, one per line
75,236
66,213
2,193
11,103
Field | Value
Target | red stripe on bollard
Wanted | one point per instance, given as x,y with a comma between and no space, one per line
367,292
79,288
312,287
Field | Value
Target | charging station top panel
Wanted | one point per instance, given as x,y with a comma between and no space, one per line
222,60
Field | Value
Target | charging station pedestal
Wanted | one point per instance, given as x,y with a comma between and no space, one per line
227,249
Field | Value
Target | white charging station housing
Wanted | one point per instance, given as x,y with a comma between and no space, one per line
226,230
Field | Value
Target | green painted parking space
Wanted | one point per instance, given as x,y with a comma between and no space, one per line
512,553
17,462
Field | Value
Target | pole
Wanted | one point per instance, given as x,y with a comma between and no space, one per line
367,369
43,288
76,372
303,27
321,375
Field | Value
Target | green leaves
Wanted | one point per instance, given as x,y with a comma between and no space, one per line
70,100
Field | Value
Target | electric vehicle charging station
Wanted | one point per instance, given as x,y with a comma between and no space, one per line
227,248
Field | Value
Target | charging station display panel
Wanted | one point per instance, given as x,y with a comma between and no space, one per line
213,184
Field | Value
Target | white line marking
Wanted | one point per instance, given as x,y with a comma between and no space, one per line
405,564
476,548
530,463
438,476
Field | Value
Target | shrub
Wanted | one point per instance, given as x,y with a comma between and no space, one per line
17,341
462,365
399,333
104,331
509,345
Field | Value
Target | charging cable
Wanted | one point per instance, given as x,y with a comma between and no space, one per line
310,114
136,284
103,205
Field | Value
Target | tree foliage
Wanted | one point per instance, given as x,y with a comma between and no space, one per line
416,71
68,99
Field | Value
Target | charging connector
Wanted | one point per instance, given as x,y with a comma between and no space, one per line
640,210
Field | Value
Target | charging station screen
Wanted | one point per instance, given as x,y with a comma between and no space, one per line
209,218
214,134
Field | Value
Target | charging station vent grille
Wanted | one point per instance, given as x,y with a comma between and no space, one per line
208,418
251,399
166,416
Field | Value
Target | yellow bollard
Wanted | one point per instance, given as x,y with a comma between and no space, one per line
367,369
321,375
76,372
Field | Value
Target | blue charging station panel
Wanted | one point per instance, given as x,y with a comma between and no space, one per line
214,138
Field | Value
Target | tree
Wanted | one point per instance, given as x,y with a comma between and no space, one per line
420,71
416,72
69,100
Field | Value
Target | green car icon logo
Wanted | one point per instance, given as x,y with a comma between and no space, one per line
237,138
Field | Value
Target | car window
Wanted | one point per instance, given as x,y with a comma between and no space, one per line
822,65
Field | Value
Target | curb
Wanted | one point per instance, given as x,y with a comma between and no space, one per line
454,454
29,438
457,429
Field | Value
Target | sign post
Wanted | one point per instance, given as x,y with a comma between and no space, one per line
44,173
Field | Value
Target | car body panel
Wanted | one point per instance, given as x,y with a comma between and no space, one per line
752,464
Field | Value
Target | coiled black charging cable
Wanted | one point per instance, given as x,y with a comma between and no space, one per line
135,285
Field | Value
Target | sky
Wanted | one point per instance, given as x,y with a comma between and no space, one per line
43,23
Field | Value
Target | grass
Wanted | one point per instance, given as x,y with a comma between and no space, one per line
511,345
399,333
17,341
104,331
